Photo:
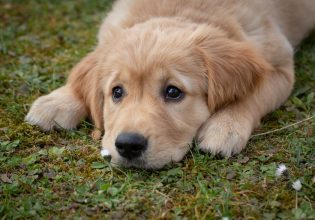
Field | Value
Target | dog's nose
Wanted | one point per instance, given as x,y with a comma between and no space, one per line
131,145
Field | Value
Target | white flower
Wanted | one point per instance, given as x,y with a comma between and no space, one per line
281,169
105,153
225,218
297,185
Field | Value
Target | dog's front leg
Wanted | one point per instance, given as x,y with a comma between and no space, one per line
59,109
66,106
229,129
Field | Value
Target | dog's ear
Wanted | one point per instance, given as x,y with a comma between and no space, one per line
84,80
233,68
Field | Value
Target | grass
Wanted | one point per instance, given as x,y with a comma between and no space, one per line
60,174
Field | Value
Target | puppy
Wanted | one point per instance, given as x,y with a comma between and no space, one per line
164,72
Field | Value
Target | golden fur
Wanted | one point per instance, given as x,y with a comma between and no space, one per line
233,59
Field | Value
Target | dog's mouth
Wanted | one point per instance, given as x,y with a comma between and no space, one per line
139,162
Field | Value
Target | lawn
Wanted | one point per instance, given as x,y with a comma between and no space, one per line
61,174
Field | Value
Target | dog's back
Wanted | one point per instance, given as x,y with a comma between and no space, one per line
295,18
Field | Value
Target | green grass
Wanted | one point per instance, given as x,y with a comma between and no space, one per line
60,174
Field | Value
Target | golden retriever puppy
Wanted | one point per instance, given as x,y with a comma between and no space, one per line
165,72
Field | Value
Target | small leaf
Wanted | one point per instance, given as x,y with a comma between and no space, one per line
310,98
30,159
298,102
104,186
98,165
175,172
82,189
56,151
301,90
298,213
42,152
274,204
113,191
8,146
14,144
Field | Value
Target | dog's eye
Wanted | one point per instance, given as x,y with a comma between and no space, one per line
173,93
118,93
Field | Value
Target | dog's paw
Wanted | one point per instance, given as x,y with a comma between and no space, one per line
224,134
59,109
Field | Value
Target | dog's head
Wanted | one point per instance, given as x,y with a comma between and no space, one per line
152,86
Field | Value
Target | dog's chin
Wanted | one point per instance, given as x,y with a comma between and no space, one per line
136,163
140,163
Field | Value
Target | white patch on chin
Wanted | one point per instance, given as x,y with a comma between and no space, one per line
105,153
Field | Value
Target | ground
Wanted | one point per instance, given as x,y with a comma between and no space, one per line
61,174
